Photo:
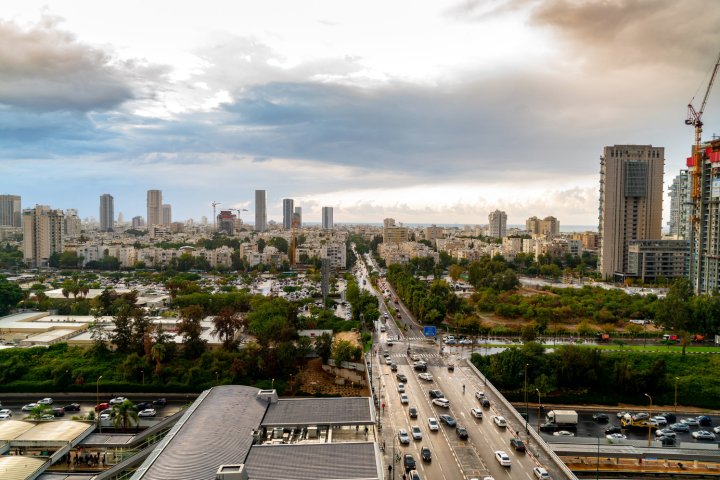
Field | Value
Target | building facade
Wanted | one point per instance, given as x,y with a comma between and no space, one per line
654,259
42,234
154,207
166,214
107,212
680,206
327,218
631,193
497,227
10,211
260,210
288,212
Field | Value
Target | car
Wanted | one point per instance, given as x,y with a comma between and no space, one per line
679,427
476,412
389,343
541,473
703,435
665,432
479,395
667,441
160,402
485,403
393,367
704,421
5,416
502,458
416,432
669,416
401,387
388,361
660,420
426,454
404,398
517,444
148,412
5,411
436,394
613,429
58,412
117,400
29,407
102,406
441,402
601,417
448,420
105,416
690,422
409,462
420,366
622,414
412,412
143,405
400,377
451,367
72,407
45,401
616,436
563,433
386,354
414,357
414,475
461,432
433,424
403,436
426,376
499,421
716,429
47,416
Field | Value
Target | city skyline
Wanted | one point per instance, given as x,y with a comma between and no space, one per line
406,123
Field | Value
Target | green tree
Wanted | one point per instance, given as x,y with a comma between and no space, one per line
227,324
280,243
10,295
323,346
39,411
123,414
675,312
191,330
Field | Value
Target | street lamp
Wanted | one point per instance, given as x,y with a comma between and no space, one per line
676,383
526,399
143,376
97,403
217,378
649,419
597,465
538,392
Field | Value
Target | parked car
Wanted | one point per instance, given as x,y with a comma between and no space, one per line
613,429
403,436
476,412
412,412
517,444
716,429
679,427
669,416
72,407
499,421
690,422
45,401
404,398
441,402
58,412
433,424
665,432
503,458
416,432
426,454
400,377
660,420
117,400
541,473
704,421
5,414
160,402
703,435
409,462
448,420
148,412
461,432
102,406
601,417
563,433
29,407
143,405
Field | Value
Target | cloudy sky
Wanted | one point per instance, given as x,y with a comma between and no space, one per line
426,111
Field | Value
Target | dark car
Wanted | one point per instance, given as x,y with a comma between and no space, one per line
73,407
548,427
160,402
601,417
436,394
485,403
393,367
670,417
409,462
517,444
412,411
58,412
143,405
420,366
401,377
426,454
613,429
448,420
704,421
461,432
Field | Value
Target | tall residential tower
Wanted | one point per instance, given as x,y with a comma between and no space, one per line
498,224
42,234
327,218
107,212
10,212
260,210
154,207
288,211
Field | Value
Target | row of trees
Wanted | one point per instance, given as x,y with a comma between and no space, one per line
429,303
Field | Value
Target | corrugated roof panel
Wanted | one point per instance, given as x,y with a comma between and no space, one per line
319,411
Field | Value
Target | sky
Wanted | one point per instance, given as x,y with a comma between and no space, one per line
424,111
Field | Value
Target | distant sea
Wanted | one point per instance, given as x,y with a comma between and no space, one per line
563,228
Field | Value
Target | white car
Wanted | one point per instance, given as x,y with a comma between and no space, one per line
703,435
426,376
5,414
148,412
388,361
476,412
479,395
541,473
29,407
615,436
404,398
45,401
415,357
716,429
563,433
416,432
105,416
441,402
117,400
401,387
660,420
503,458
403,436
433,424
500,422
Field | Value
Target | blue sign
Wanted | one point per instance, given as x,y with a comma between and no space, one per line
430,330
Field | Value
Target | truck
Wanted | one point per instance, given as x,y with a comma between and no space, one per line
563,418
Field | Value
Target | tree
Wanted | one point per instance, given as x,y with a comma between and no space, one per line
123,414
10,295
122,335
280,243
191,330
39,411
227,323
675,312
455,271
344,351
323,346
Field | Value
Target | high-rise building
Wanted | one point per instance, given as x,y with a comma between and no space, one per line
532,225
138,222
631,195
288,207
260,210
120,218
107,212
10,211
497,227
72,226
166,214
393,233
549,226
297,217
680,206
42,234
226,222
154,207
327,218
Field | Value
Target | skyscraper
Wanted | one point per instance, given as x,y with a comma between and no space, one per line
72,226
327,218
498,224
107,212
42,234
288,207
680,206
260,210
166,214
631,195
10,211
154,207
298,217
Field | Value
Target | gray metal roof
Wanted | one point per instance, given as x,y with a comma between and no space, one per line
324,461
216,430
319,411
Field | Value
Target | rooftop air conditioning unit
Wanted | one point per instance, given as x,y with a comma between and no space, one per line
232,472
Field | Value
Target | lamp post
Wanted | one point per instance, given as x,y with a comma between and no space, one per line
143,376
526,399
217,378
597,464
538,392
649,419
676,385
97,402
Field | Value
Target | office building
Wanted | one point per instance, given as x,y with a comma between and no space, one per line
650,260
10,211
297,217
393,233
680,206
260,210
154,207
166,214
631,194
327,218
107,212
497,227
42,234
288,211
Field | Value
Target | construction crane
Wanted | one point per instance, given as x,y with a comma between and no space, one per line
215,204
694,118
294,224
